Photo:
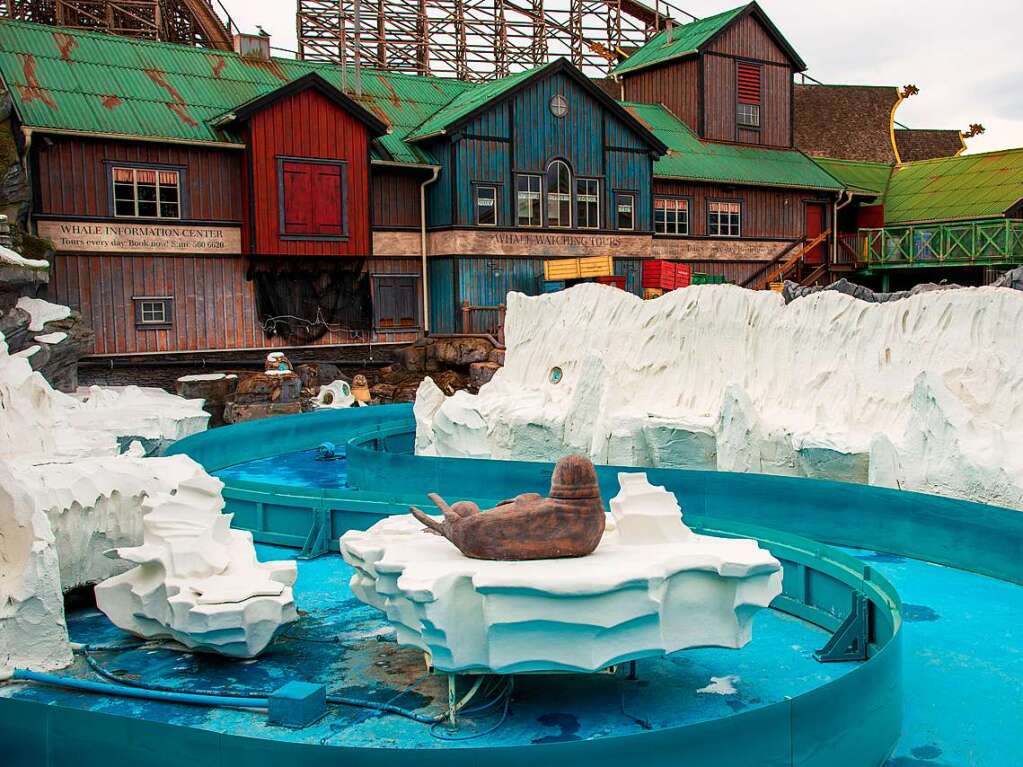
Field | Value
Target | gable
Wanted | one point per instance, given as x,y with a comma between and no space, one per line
747,37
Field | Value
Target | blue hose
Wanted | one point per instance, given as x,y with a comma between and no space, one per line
134,692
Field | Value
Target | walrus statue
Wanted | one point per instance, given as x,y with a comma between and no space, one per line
569,522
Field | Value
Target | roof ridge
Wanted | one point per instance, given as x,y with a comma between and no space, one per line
989,153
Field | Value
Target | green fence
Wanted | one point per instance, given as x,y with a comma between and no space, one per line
980,243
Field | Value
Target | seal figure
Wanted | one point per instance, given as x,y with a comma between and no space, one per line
569,522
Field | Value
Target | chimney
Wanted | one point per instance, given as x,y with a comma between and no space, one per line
253,46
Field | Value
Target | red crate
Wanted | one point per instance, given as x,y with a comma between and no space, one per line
618,282
666,275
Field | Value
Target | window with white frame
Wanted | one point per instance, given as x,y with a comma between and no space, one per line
671,215
724,219
559,195
146,193
625,211
486,205
153,311
527,194
587,203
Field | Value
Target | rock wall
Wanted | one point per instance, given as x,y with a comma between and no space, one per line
925,393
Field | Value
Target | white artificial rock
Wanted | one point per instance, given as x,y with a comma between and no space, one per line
335,395
8,256
51,338
197,581
651,587
719,377
129,413
207,377
71,487
429,398
42,312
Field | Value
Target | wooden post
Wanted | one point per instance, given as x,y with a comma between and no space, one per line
465,317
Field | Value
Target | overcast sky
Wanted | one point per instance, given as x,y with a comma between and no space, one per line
965,56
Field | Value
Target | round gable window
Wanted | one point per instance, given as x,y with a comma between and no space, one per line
559,105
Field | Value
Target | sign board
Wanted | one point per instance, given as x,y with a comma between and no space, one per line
111,237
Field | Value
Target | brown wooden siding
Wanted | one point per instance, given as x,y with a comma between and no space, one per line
72,176
395,198
675,85
776,107
718,98
748,38
766,213
214,306
306,125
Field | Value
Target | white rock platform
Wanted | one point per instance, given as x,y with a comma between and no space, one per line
652,587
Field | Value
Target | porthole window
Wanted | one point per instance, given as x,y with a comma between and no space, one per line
555,375
559,105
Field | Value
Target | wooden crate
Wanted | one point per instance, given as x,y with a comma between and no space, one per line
578,268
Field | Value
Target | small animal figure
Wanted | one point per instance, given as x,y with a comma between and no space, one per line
569,522
360,390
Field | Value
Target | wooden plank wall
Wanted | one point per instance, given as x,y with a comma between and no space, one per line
748,38
719,98
212,188
395,198
675,85
306,125
214,305
766,213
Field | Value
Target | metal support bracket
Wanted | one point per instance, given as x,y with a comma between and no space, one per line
849,642
317,542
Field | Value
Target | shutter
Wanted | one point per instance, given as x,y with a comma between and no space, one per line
407,304
329,214
298,199
748,76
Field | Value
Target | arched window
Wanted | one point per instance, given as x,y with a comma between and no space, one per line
559,194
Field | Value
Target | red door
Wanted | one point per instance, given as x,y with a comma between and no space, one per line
815,216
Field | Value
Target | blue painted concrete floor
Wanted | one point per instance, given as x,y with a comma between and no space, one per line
963,675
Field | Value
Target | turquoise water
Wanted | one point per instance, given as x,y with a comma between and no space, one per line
301,469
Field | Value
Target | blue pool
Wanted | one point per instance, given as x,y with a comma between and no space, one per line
299,469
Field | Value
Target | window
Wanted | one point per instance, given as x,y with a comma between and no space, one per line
625,211
671,215
153,312
313,204
723,219
486,206
146,193
558,105
559,195
587,203
395,301
747,110
527,191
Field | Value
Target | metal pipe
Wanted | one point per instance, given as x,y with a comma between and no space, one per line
422,247
837,206
103,688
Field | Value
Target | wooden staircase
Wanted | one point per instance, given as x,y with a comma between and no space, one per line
789,264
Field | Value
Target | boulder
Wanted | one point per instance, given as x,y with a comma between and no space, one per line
236,412
481,373
278,388
461,352
215,389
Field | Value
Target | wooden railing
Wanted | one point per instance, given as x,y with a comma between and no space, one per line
778,272
483,319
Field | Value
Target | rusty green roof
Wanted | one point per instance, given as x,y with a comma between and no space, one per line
680,41
858,176
955,188
690,159
469,101
90,82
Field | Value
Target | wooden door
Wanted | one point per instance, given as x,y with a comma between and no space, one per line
815,220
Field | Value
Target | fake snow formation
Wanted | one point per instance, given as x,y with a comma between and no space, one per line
924,394
71,488
650,587
197,581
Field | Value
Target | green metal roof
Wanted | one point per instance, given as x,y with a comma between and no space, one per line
97,83
690,159
858,176
678,41
955,188
469,100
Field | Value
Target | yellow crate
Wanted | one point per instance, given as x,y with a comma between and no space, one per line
777,287
578,268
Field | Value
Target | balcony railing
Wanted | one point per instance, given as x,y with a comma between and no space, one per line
998,241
